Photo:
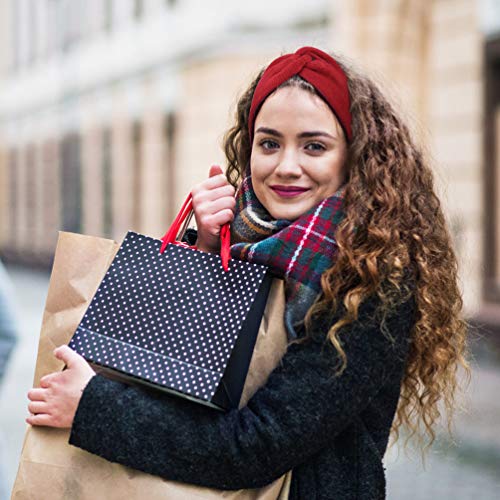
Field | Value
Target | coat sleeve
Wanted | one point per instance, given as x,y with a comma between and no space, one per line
302,407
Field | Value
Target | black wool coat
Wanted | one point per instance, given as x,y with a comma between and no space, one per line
331,431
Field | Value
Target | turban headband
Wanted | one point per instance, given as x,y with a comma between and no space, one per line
317,68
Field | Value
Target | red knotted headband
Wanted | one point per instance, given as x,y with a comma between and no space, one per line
317,68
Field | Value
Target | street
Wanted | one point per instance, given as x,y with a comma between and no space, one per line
469,470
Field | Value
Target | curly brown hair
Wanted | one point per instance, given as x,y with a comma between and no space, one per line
394,227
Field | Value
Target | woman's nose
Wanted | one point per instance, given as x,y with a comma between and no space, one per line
288,164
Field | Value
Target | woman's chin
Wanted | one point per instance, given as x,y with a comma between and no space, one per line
288,211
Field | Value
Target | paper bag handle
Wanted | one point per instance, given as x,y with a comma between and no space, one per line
184,212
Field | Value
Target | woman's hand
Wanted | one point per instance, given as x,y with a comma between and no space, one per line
54,404
213,205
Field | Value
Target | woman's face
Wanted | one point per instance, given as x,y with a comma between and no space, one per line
298,153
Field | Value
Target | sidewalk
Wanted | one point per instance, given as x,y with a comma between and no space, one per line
470,470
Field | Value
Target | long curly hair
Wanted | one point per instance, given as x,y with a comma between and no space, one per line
393,227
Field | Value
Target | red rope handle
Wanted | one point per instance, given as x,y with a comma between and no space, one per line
171,234
186,209
225,244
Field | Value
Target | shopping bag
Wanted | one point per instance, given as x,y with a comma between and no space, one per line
51,468
175,318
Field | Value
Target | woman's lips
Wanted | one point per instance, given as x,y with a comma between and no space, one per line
288,191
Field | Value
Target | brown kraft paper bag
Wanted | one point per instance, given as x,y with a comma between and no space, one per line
49,467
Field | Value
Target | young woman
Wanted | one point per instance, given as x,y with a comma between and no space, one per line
335,196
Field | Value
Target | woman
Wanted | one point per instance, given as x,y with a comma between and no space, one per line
339,201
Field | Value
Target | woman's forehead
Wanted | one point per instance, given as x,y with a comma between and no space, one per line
295,108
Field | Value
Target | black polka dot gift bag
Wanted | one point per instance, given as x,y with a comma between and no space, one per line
175,318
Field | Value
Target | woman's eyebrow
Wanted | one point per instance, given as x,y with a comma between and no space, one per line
302,135
315,133
270,131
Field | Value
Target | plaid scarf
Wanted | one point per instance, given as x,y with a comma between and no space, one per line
298,251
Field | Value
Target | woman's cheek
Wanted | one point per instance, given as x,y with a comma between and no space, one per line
262,166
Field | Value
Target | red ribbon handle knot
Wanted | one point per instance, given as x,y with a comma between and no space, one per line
186,209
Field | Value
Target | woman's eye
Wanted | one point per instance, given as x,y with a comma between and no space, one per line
315,146
269,144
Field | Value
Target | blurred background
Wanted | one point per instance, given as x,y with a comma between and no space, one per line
110,110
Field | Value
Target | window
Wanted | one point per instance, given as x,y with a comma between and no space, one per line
51,174
169,144
492,171
33,35
12,187
107,194
71,185
31,191
15,35
138,9
70,23
108,15
136,175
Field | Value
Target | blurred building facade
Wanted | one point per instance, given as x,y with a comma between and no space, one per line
111,110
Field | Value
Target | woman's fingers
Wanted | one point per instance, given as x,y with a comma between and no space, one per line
46,380
41,419
226,191
37,394
68,356
222,217
216,214
38,407
214,170
215,206
210,183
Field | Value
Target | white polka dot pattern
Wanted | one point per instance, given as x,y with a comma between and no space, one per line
171,319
